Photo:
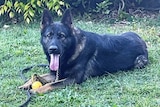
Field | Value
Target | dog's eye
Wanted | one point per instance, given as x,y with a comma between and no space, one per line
49,34
61,35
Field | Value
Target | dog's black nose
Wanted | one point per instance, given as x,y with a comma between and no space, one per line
53,50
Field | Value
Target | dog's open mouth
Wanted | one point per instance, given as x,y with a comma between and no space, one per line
54,62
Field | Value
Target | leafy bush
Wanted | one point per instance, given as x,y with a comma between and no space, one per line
103,7
30,8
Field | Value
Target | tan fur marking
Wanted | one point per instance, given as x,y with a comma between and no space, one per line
80,44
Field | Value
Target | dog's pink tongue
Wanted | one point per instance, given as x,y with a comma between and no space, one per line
54,62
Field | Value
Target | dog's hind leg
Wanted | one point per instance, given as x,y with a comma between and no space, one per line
140,61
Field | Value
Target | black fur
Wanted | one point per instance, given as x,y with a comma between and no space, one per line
85,54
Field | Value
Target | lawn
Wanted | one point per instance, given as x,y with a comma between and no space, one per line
20,47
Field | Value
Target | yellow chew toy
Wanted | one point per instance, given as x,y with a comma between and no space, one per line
36,84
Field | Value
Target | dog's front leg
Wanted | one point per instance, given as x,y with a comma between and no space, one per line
48,77
53,85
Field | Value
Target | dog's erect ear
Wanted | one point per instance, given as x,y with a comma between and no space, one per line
47,18
67,18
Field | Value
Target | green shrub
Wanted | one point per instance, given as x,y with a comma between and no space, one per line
30,8
103,7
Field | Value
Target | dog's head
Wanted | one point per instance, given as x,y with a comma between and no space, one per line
57,37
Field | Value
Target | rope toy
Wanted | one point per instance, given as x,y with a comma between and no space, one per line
37,81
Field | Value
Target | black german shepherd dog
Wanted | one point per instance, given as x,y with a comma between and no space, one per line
77,54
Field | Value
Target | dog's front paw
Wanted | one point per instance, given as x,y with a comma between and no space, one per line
42,89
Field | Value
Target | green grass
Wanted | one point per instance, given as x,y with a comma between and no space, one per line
20,47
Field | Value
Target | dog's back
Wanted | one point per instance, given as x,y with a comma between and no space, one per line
111,53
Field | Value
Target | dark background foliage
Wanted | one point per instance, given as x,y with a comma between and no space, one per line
85,5
30,10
